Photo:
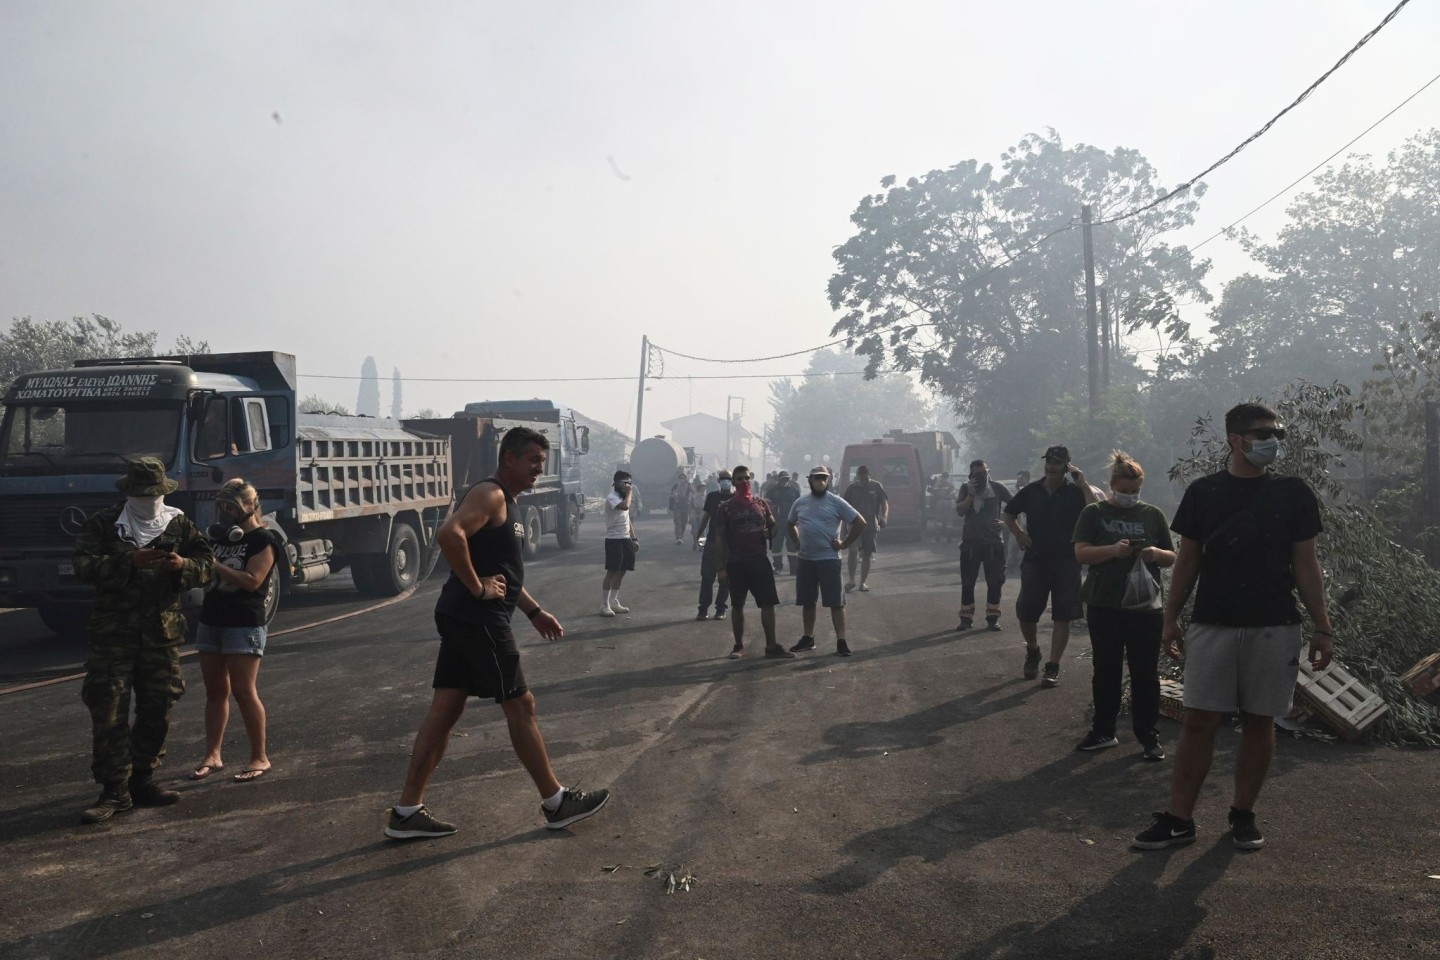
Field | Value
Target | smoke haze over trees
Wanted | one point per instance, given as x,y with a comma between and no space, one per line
53,344
832,406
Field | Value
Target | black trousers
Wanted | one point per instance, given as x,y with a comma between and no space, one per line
709,569
991,556
1118,637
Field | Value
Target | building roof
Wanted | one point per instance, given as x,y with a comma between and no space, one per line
702,420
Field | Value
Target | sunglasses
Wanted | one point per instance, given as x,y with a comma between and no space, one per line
1265,433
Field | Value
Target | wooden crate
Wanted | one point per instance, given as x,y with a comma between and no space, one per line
1345,703
1172,698
1423,679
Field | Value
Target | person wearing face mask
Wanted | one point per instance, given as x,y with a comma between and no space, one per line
140,556
709,566
782,497
981,543
742,530
814,523
1247,546
232,632
1112,536
1049,571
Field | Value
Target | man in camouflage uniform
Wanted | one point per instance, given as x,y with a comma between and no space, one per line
140,556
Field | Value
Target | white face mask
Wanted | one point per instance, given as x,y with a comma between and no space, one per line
1126,500
1262,453
144,508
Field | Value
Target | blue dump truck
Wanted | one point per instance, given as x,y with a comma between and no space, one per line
358,493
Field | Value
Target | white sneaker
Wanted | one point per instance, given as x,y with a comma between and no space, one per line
606,612
619,609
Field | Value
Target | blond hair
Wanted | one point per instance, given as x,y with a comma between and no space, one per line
240,491
1125,467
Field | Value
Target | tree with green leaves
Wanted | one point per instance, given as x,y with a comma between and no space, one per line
833,406
53,344
367,403
951,275
1357,262
314,403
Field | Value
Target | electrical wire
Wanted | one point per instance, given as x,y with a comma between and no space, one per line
1184,187
674,378
1306,175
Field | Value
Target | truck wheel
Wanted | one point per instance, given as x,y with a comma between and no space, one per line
531,519
66,619
568,533
272,595
397,570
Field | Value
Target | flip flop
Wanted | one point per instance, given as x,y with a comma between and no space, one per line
247,775
204,770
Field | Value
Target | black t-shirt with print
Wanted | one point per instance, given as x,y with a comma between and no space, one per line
1247,529
227,605
1049,520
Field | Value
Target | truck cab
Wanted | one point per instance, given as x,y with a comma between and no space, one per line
896,465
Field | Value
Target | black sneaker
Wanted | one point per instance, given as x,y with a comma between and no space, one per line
719,615
145,794
575,806
1097,741
806,643
702,615
842,649
1153,752
778,652
965,623
1243,832
112,800
1052,675
992,623
1166,831
1032,663
419,825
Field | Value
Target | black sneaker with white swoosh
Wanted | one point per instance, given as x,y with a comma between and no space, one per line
1166,831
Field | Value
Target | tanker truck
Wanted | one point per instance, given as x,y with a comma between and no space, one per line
654,464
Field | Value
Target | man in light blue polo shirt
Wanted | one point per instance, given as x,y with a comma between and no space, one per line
814,524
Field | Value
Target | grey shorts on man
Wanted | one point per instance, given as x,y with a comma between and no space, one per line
1249,669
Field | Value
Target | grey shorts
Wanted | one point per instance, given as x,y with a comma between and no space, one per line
230,640
1250,669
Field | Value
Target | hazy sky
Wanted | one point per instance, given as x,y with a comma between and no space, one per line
522,190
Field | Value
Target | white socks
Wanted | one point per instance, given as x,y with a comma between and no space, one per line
553,803
403,812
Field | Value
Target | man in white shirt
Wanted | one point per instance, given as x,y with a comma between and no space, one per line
619,543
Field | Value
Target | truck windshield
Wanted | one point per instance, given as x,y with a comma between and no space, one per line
91,437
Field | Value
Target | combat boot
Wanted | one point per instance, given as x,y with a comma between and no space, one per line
145,794
113,799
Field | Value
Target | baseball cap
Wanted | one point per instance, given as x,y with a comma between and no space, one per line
819,470
1057,452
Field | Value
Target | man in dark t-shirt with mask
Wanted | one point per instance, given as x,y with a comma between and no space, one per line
482,541
1247,546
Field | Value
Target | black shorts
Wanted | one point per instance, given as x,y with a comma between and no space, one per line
1057,581
755,576
866,543
818,580
482,661
619,555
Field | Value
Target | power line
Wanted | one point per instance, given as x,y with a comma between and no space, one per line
1304,176
1265,129
678,377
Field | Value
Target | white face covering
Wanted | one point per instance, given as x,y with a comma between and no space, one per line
144,519
1126,500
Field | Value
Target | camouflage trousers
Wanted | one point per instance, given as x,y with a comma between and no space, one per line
117,668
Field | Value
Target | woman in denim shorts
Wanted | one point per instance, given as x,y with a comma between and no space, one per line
231,635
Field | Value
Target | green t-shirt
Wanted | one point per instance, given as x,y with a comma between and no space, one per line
1102,524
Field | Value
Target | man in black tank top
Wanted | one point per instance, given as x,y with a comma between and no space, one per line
478,657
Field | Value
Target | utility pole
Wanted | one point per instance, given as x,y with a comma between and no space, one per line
729,458
1092,338
1105,337
640,397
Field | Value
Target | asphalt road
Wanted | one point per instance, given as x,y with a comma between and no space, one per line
918,799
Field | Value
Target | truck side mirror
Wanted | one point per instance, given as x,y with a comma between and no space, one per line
584,434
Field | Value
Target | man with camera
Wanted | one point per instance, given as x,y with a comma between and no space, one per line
1049,573
620,542
982,543
140,555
